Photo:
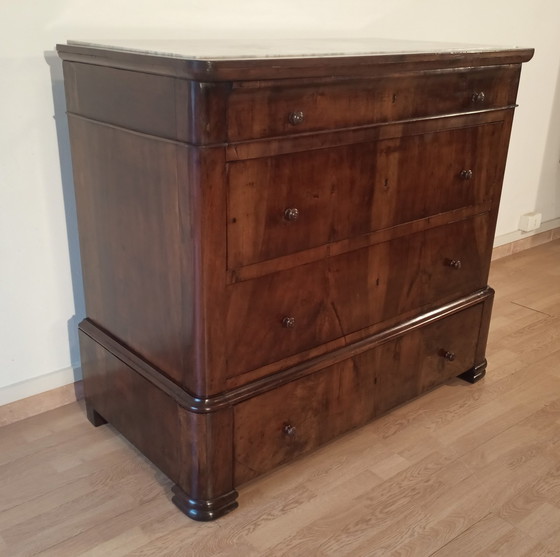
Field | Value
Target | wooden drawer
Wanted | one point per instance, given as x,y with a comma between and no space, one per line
284,313
306,413
255,112
284,204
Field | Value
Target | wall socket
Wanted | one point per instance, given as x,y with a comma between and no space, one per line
530,221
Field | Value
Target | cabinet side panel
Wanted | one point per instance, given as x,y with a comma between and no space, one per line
135,244
164,106
134,100
147,417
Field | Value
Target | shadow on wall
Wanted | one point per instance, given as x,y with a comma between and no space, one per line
59,103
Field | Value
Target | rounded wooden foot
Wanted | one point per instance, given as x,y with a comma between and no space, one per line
204,510
475,374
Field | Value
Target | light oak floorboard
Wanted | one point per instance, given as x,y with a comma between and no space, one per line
465,470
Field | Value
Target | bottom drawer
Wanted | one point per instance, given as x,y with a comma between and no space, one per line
279,425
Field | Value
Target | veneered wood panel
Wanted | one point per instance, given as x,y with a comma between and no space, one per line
269,111
339,295
318,408
348,191
134,228
307,413
417,361
167,107
148,417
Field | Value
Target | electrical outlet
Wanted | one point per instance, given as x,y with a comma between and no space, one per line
530,221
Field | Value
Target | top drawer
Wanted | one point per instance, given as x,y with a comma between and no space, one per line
256,112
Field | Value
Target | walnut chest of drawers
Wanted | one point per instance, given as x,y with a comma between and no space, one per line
277,248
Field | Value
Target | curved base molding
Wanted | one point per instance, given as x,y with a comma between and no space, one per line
204,510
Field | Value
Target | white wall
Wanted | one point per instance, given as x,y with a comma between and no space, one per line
40,292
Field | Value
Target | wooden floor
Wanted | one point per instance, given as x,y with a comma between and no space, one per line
463,471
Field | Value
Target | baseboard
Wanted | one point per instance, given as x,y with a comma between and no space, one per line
39,384
42,402
508,244
39,394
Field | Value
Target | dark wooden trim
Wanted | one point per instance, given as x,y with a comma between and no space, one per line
204,405
204,510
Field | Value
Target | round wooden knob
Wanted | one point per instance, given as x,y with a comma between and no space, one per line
296,118
466,174
289,322
478,97
289,430
291,214
454,263
449,356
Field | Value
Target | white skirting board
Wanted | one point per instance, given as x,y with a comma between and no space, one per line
519,235
36,385
39,395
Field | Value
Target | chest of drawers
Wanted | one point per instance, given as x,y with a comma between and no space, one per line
277,249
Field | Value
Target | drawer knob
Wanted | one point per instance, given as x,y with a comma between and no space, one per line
454,263
478,97
296,118
291,214
449,356
466,174
289,322
289,430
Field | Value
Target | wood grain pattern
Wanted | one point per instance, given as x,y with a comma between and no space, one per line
129,99
184,326
129,203
462,471
304,414
264,111
338,296
353,190
169,435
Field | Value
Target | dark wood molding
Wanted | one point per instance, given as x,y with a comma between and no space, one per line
204,405
204,510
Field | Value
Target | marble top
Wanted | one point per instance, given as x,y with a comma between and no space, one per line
235,49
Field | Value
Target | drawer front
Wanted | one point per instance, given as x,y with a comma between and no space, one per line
276,111
284,204
281,314
275,427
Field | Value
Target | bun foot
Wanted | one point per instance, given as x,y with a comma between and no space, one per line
204,510
474,374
